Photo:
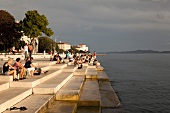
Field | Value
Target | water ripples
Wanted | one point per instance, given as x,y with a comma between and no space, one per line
142,82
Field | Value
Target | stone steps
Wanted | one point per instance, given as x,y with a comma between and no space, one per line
4,86
12,96
100,68
52,85
6,78
109,98
90,93
69,68
102,76
91,73
80,71
62,107
58,66
34,81
89,110
34,104
71,90
58,91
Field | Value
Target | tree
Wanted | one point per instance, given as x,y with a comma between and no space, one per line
34,25
10,31
47,44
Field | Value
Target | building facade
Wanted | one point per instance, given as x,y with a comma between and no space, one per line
82,47
63,45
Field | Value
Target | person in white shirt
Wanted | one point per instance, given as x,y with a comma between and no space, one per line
26,50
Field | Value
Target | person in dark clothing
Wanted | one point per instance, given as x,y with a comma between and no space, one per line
29,66
8,71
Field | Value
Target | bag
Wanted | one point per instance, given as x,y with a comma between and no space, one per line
80,66
30,48
38,71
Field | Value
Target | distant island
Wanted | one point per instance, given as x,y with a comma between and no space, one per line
137,52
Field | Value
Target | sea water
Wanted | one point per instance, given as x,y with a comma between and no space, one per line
142,81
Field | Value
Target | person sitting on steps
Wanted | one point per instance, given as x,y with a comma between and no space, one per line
29,66
20,68
9,70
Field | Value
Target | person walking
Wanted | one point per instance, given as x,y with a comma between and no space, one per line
26,50
30,49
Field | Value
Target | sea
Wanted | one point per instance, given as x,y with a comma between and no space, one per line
141,81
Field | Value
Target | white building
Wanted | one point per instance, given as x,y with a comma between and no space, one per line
63,45
82,47
26,39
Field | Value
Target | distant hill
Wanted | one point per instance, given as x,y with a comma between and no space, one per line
137,52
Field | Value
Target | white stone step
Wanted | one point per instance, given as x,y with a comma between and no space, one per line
91,66
108,96
34,104
6,78
91,73
100,68
71,90
90,93
58,66
4,86
52,85
45,68
62,107
102,76
46,63
34,81
81,71
85,64
12,96
69,68
89,110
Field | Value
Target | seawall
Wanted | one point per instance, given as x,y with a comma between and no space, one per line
64,89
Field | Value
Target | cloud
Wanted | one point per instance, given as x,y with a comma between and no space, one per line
119,22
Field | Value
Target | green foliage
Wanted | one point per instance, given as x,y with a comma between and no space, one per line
10,32
35,24
47,44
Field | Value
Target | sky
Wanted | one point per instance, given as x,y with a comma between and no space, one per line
103,25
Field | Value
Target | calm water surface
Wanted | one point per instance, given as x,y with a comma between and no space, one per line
142,81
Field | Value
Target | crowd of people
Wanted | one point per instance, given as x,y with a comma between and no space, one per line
26,50
76,59
20,71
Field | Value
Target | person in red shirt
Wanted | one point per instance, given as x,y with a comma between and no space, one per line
94,54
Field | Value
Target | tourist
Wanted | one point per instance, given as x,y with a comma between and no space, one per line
9,70
13,50
29,66
94,55
58,58
19,68
79,63
52,56
96,63
26,50
30,50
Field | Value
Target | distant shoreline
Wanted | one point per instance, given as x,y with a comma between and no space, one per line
138,52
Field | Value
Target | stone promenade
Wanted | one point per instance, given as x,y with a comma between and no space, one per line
63,89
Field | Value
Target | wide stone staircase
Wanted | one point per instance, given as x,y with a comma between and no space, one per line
63,89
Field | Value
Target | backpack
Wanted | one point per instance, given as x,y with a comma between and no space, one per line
30,48
38,71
